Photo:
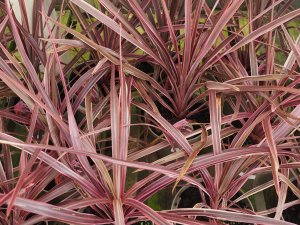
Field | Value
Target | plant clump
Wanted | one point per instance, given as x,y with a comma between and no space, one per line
108,109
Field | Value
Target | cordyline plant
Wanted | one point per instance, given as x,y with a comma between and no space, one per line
106,105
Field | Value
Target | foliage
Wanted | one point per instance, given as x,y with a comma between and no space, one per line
107,105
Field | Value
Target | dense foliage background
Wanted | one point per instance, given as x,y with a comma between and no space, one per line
109,108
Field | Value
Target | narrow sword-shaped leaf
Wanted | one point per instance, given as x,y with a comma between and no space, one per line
192,156
273,151
231,216
59,213
215,121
